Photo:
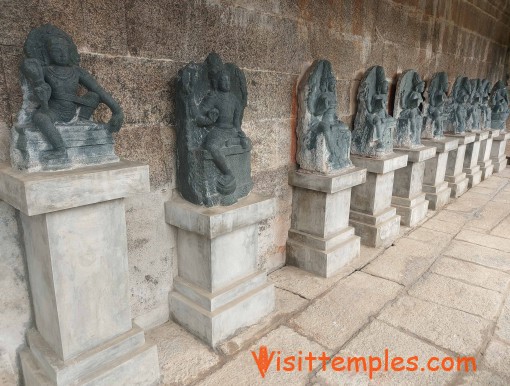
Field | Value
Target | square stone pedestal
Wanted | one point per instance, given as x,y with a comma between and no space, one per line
471,167
320,238
219,288
484,160
372,216
436,189
408,197
74,232
498,151
455,176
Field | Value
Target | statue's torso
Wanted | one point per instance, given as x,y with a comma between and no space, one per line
64,82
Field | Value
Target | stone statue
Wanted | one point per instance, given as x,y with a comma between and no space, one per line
373,126
458,106
213,153
485,110
54,129
473,109
499,106
435,106
324,141
408,110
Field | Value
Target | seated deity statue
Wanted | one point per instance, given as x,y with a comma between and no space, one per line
323,140
458,107
435,109
485,110
499,106
54,130
373,126
473,107
213,166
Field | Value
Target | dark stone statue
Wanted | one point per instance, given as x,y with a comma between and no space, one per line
435,106
458,106
324,141
54,129
473,109
485,110
408,110
213,153
499,106
373,126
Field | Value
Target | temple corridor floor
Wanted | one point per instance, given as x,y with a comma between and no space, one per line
441,290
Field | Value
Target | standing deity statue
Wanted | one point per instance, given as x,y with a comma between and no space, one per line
458,106
408,110
54,129
373,126
473,109
485,110
323,140
499,106
435,106
213,152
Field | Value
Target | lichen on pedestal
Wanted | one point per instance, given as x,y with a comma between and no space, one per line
373,126
323,140
54,129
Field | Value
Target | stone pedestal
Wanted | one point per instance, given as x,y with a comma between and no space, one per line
74,232
455,176
219,288
320,238
498,151
408,197
471,167
372,216
436,189
484,160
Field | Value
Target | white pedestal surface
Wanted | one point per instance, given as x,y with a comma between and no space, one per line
455,176
320,238
471,167
371,215
498,155
436,189
408,197
76,249
219,288
484,160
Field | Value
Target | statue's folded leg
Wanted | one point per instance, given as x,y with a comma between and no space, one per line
90,102
45,123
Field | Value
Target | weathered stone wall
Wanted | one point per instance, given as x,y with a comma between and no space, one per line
135,48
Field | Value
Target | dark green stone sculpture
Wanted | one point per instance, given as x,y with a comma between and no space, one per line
499,106
373,126
435,106
485,110
54,129
324,141
408,110
458,106
213,153
473,109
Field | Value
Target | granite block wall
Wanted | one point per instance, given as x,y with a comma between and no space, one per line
135,48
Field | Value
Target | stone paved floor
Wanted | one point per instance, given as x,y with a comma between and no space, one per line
441,290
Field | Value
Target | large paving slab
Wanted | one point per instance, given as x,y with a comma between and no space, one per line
456,294
482,377
372,341
503,326
286,304
437,239
488,217
243,370
453,217
332,319
503,197
497,357
468,203
451,329
501,243
182,357
472,273
502,229
443,226
489,257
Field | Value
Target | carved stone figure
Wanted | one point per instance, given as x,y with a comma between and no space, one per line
473,107
323,140
435,106
458,107
408,110
485,110
373,126
213,153
54,129
499,106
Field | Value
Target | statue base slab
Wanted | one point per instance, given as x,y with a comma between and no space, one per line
371,215
320,239
456,178
436,189
75,240
219,288
408,197
498,151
